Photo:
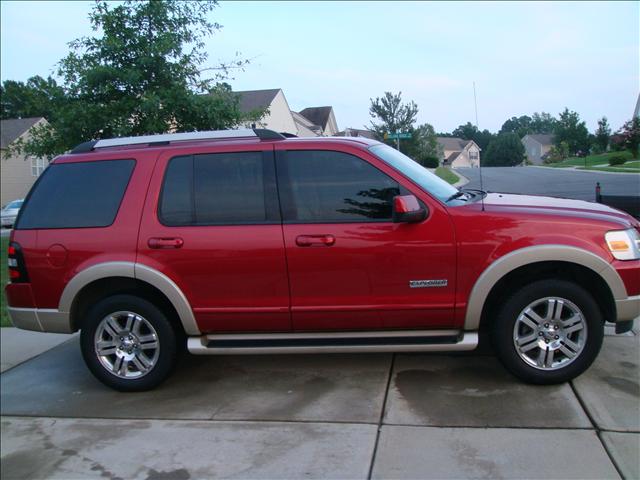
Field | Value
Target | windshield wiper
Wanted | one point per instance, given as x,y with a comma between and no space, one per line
458,194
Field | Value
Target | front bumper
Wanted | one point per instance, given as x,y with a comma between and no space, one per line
40,320
628,309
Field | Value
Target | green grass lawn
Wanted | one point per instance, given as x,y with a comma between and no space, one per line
447,175
629,167
591,160
4,277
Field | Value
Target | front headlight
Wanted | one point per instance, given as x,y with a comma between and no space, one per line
624,244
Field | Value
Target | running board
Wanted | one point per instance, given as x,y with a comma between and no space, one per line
331,342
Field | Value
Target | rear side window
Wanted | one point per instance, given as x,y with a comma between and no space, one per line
326,187
218,189
77,195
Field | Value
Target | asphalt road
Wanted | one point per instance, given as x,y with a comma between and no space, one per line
555,182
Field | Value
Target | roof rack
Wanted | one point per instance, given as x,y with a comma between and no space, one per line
261,133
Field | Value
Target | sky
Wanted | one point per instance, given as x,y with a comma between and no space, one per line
524,57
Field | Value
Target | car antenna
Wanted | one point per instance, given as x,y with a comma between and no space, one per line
475,103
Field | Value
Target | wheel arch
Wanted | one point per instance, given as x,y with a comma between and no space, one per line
584,267
119,277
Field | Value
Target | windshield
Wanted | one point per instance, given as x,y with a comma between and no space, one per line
14,204
416,172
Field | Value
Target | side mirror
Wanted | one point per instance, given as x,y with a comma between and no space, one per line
407,209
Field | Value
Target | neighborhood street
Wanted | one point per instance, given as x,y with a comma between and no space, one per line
555,182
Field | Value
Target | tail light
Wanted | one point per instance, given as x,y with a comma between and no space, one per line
17,266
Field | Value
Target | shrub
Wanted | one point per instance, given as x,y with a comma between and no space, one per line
617,159
430,162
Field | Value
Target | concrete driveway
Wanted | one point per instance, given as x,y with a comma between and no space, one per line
556,182
323,416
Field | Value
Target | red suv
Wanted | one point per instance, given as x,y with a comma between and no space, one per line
247,242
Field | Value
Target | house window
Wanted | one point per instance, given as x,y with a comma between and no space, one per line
37,166
473,155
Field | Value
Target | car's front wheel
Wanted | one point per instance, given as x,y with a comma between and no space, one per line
128,343
548,332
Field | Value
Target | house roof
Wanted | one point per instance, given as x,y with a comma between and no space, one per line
12,128
256,99
453,143
541,138
356,132
317,115
304,124
453,156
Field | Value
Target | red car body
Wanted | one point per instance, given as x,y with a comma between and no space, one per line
316,277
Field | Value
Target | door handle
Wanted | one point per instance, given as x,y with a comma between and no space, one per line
165,242
319,240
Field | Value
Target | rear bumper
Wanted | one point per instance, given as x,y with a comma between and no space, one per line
40,320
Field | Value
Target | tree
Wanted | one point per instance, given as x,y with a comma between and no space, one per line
466,131
573,131
603,132
631,135
38,97
518,125
542,123
392,115
145,73
506,150
423,146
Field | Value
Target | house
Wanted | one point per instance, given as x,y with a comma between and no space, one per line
18,172
456,152
323,117
356,132
310,122
537,146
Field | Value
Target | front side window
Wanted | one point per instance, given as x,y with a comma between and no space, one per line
416,172
215,189
334,187
77,195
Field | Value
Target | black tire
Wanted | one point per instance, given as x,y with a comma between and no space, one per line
505,323
164,332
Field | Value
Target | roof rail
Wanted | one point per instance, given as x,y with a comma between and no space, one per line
261,133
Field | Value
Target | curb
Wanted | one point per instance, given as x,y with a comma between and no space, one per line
574,169
462,179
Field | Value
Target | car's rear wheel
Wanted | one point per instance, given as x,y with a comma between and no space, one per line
128,343
548,332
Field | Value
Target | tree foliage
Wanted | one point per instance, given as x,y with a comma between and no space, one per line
631,135
423,146
523,125
468,131
143,73
572,130
543,123
506,150
37,97
518,125
391,114
602,134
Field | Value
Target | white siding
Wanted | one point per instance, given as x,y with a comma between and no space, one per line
279,117
17,175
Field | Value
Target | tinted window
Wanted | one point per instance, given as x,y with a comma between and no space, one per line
221,188
416,172
329,186
75,195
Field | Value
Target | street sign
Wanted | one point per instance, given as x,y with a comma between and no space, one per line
396,136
